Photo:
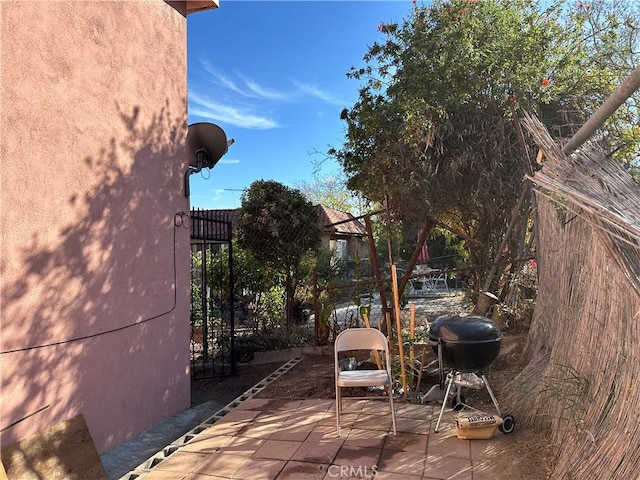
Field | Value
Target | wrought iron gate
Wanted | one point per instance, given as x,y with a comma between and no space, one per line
212,295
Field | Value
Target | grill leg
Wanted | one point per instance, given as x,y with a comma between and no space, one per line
446,397
493,397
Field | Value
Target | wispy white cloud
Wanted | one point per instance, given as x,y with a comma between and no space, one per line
229,161
217,78
203,107
316,92
246,87
244,102
217,194
262,92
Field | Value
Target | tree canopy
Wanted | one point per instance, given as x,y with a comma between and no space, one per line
332,192
278,225
435,131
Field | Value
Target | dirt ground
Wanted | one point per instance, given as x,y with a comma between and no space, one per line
522,455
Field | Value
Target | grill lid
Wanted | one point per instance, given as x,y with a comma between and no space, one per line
464,329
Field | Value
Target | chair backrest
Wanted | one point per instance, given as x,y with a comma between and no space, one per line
361,339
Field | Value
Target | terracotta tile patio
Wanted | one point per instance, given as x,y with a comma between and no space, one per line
263,439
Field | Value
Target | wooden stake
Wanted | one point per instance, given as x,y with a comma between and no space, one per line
396,307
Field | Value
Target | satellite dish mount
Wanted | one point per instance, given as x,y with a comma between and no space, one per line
206,144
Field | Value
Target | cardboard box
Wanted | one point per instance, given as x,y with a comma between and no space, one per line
477,427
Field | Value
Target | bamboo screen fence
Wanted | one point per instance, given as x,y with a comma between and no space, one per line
583,351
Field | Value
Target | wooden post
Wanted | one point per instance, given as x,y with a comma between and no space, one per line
396,306
608,108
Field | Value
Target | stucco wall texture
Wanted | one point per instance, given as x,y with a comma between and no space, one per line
95,269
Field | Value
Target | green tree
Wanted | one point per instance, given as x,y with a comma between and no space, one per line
435,131
279,226
252,280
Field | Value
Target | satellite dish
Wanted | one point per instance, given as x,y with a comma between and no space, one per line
206,144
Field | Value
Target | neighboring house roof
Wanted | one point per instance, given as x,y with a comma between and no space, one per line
335,221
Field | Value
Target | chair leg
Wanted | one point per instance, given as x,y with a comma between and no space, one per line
338,409
393,411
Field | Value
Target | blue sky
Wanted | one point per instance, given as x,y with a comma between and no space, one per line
273,76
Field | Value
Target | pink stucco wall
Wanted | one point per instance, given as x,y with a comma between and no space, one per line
94,269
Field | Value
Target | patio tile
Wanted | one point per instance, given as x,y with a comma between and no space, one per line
355,456
408,442
295,470
225,428
346,419
255,404
156,474
297,433
448,446
277,449
395,461
396,476
260,469
285,405
379,421
272,416
413,425
353,405
305,418
239,415
366,438
259,430
181,462
243,446
376,406
318,452
448,468
195,476
221,465
204,443
327,432
316,405
411,410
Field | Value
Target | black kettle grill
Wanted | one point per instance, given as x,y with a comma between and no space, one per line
466,345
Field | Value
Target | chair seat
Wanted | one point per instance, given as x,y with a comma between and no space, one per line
362,378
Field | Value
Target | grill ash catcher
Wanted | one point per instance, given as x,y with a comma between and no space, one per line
466,345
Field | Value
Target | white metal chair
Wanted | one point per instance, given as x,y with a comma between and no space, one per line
440,279
363,339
